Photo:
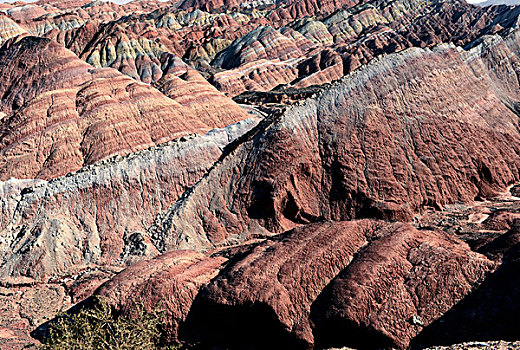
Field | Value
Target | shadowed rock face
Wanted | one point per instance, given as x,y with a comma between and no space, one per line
269,291
492,310
426,281
63,114
170,281
412,130
297,287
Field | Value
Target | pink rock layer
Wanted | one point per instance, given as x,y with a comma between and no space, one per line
64,114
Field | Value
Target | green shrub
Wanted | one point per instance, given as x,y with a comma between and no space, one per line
99,328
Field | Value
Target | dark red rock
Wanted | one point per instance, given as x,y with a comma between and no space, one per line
502,246
394,288
271,288
357,150
501,220
328,278
324,67
167,283
492,311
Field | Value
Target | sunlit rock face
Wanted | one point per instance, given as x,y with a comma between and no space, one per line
391,138
64,114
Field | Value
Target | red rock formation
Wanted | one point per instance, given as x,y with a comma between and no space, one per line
358,150
261,75
28,12
83,228
288,286
324,67
394,288
418,129
64,5
271,290
305,8
71,115
262,43
492,310
209,5
292,9
132,37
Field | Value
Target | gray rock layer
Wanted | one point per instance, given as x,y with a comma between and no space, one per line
99,214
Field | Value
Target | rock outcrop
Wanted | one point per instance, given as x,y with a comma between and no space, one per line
387,141
260,45
398,109
98,216
64,114
294,286
363,308
9,28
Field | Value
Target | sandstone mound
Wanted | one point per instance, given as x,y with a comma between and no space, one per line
64,114
297,286
172,279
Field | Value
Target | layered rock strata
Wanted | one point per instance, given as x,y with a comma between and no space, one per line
63,114
387,141
98,216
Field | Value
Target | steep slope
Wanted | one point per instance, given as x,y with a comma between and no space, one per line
411,130
298,286
63,114
492,310
98,216
240,232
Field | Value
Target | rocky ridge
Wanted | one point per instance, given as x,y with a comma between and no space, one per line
87,226
98,216
370,284
63,114
264,288
336,167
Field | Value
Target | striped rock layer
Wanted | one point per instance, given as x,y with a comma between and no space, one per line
63,114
